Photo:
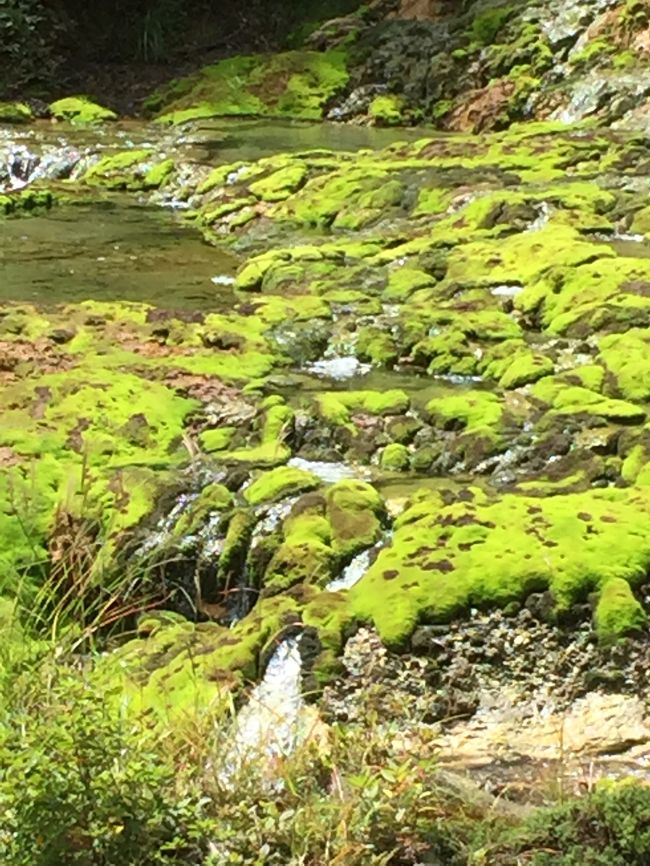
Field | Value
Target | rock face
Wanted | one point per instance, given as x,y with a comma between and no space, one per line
484,65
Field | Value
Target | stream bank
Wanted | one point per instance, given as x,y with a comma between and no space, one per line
430,354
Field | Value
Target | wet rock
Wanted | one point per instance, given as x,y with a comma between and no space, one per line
60,336
429,640
542,606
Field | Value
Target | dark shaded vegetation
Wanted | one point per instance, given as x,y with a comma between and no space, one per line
41,38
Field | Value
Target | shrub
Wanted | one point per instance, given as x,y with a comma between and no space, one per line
80,786
609,827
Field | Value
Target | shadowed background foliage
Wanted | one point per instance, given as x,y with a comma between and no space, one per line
39,36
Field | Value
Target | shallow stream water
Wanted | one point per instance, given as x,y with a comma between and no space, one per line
115,250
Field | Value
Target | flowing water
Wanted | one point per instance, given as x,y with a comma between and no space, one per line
267,726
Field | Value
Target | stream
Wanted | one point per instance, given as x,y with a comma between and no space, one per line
109,247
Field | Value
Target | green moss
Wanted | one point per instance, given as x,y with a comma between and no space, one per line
404,282
125,170
337,407
526,368
294,84
626,357
119,417
26,200
281,183
572,400
470,410
618,612
395,458
432,201
250,277
15,112
236,543
356,512
217,440
280,483
305,555
589,295
487,25
158,174
213,498
80,110
349,199
377,347
590,376
387,109
592,53
447,558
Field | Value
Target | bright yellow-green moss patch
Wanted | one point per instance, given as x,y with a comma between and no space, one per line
627,359
618,613
337,407
278,483
81,110
567,399
444,559
356,512
15,112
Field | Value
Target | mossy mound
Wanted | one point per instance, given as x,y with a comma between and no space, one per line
26,200
294,84
338,407
81,110
15,112
445,559
356,513
279,483
132,170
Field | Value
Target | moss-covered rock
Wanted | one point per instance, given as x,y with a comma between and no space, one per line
395,458
446,558
627,360
132,169
305,555
569,400
356,512
294,84
15,112
338,407
81,110
618,612
279,483
387,109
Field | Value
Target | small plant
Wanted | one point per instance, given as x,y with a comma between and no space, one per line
609,827
82,786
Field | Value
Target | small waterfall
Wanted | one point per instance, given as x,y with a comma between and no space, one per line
329,471
544,213
268,726
353,572
16,167
506,291
164,528
338,368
